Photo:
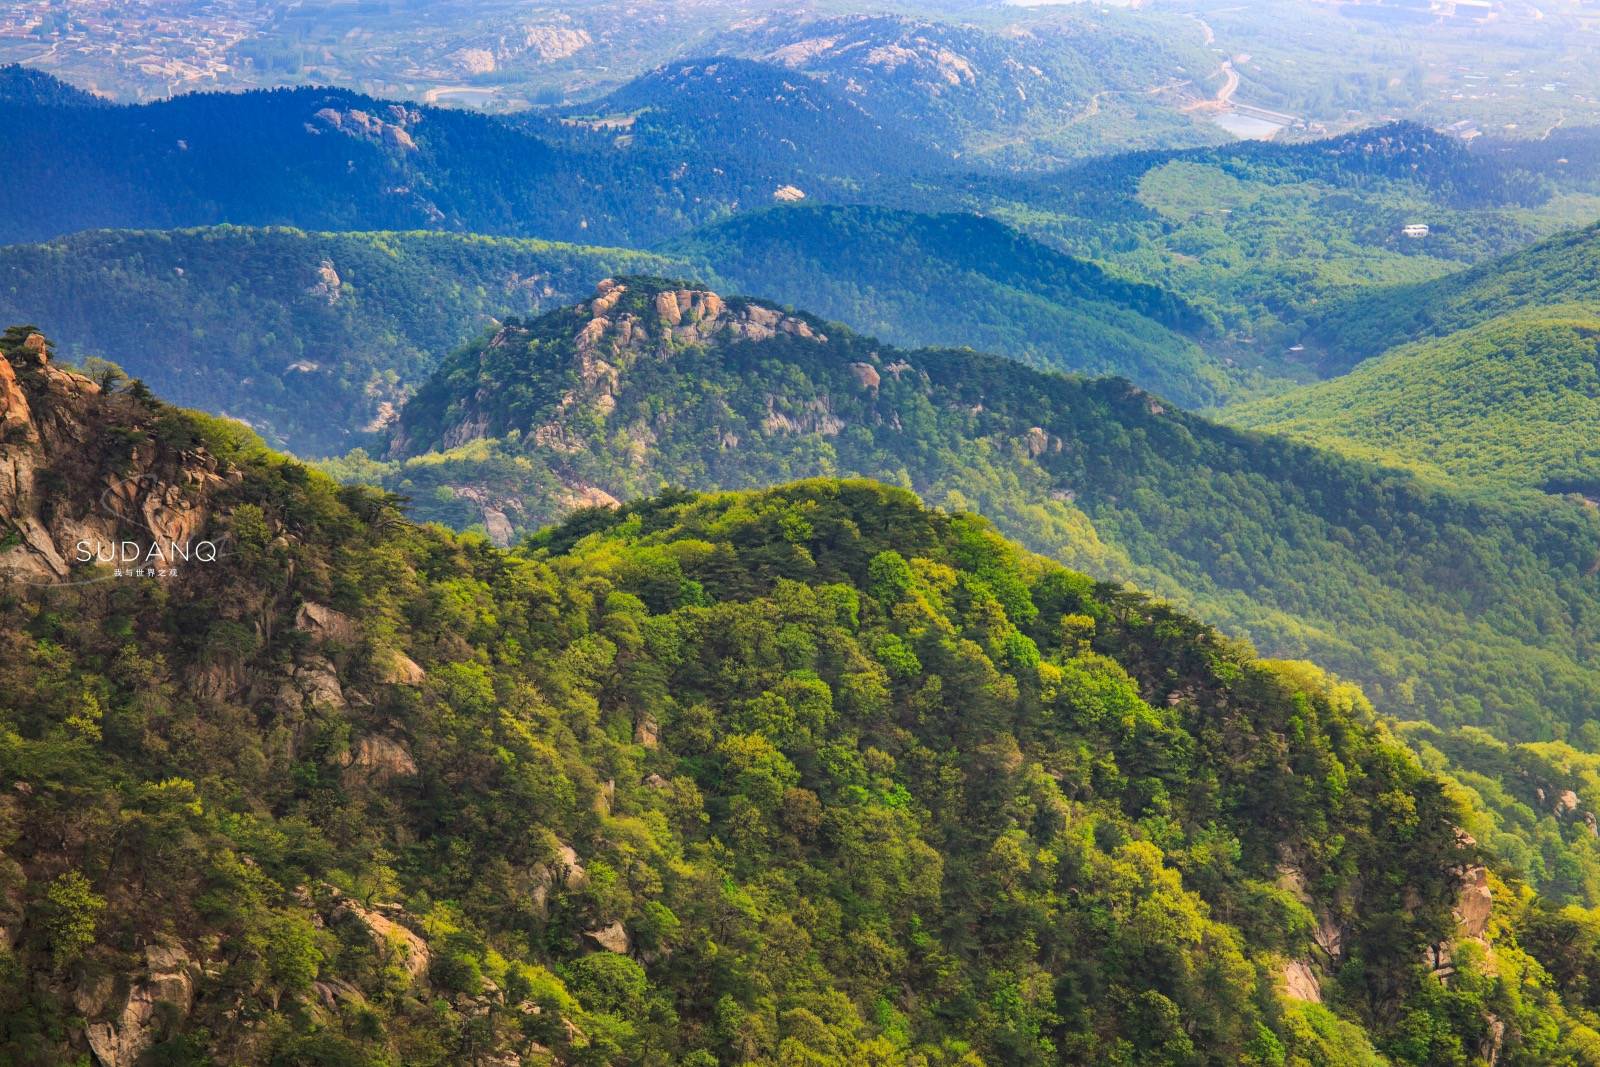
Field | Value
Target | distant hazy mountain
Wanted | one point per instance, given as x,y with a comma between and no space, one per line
330,159
309,337
764,121
952,279
1041,91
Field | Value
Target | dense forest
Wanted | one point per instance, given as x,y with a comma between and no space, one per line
955,279
760,120
329,159
1443,605
311,338
1565,269
1261,237
807,775
1510,403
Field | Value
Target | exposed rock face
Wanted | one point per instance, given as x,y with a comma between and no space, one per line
326,624
378,759
612,332
612,938
498,526
1302,978
588,496
123,487
403,670
328,285
866,375
1039,441
565,871
392,132
646,732
1300,981
126,1031
390,938
15,415
314,682
1476,903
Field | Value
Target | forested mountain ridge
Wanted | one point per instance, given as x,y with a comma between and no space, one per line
1563,269
915,278
25,85
1457,608
314,339
1036,95
809,773
1508,403
749,114
1266,235
329,159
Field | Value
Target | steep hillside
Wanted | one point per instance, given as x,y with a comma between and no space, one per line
1442,605
806,775
311,338
919,279
333,160
757,118
1565,269
24,85
1511,402
1042,90
1265,235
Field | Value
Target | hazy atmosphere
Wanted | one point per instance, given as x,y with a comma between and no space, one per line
691,534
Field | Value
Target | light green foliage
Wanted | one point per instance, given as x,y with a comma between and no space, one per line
70,912
911,797
1507,404
1440,603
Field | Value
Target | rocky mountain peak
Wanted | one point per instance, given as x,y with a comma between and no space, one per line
86,471
626,320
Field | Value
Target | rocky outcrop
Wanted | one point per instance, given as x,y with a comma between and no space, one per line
121,1029
565,871
328,286
401,669
393,941
1300,981
1039,441
390,129
125,499
645,731
624,323
612,937
313,683
326,624
377,759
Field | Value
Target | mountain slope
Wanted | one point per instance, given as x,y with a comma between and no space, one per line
919,279
1265,235
1564,269
310,337
757,118
1040,92
1510,402
1442,605
812,774
330,159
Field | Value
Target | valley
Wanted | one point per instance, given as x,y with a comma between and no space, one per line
930,534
